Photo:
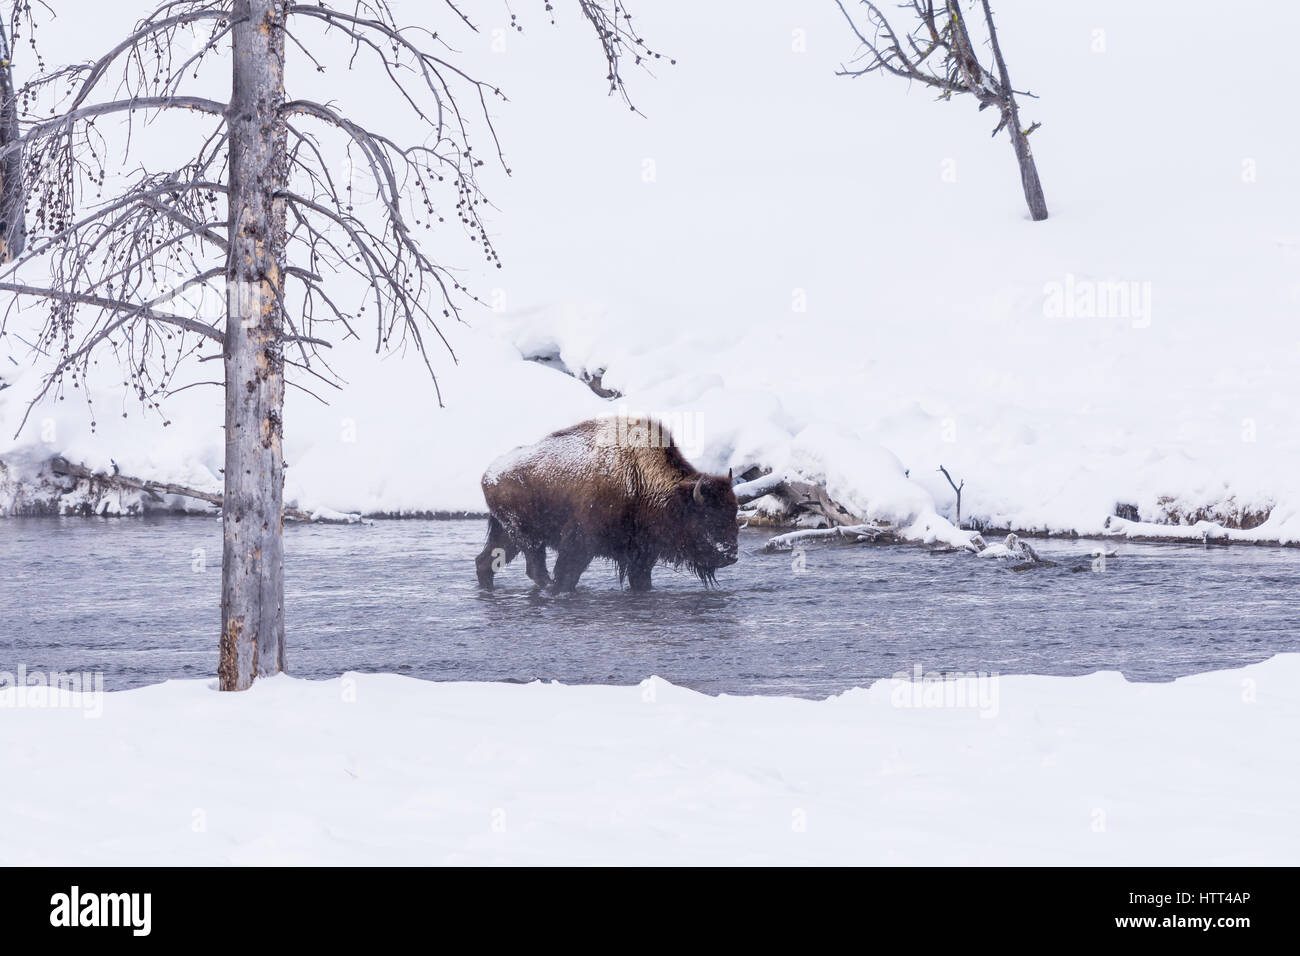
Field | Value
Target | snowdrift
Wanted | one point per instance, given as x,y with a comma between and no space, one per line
377,768
853,308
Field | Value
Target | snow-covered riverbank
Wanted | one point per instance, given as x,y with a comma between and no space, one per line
816,303
386,769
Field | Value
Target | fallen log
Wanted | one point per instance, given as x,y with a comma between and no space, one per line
842,535
748,491
156,489
794,502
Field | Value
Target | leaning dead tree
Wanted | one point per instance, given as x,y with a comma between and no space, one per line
936,50
957,489
295,216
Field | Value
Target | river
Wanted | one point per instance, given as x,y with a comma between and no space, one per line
137,599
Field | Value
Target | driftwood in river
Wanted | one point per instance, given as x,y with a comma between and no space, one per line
777,499
850,534
156,489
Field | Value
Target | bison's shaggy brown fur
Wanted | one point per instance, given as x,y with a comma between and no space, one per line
613,488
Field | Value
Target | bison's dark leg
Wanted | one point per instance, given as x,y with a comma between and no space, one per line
569,566
535,562
496,554
573,557
638,573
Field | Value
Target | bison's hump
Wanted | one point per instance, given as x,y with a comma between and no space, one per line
561,455
635,453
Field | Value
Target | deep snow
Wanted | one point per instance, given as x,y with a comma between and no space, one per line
836,277
831,277
380,769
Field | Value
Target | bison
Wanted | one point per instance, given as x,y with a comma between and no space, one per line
615,488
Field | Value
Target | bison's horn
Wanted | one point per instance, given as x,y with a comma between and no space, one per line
698,493
728,476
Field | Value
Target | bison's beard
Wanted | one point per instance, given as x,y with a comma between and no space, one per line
707,570
707,574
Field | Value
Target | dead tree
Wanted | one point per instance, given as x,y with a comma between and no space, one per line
13,225
260,216
936,50
957,488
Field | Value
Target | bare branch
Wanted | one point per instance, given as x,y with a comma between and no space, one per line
114,306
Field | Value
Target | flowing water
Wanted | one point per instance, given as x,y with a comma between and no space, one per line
137,599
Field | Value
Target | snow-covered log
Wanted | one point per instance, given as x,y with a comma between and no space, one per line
1012,549
592,378
748,491
852,534
784,500
154,490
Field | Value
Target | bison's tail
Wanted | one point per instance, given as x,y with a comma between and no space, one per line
497,551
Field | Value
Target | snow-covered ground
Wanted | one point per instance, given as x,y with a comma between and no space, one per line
838,277
831,278
386,769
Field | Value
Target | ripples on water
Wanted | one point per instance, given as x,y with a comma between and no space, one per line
124,597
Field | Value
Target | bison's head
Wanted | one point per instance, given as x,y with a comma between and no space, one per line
707,540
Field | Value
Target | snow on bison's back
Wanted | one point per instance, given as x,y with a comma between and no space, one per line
611,488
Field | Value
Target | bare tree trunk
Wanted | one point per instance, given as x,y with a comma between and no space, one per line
13,224
157,231
1019,138
252,569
